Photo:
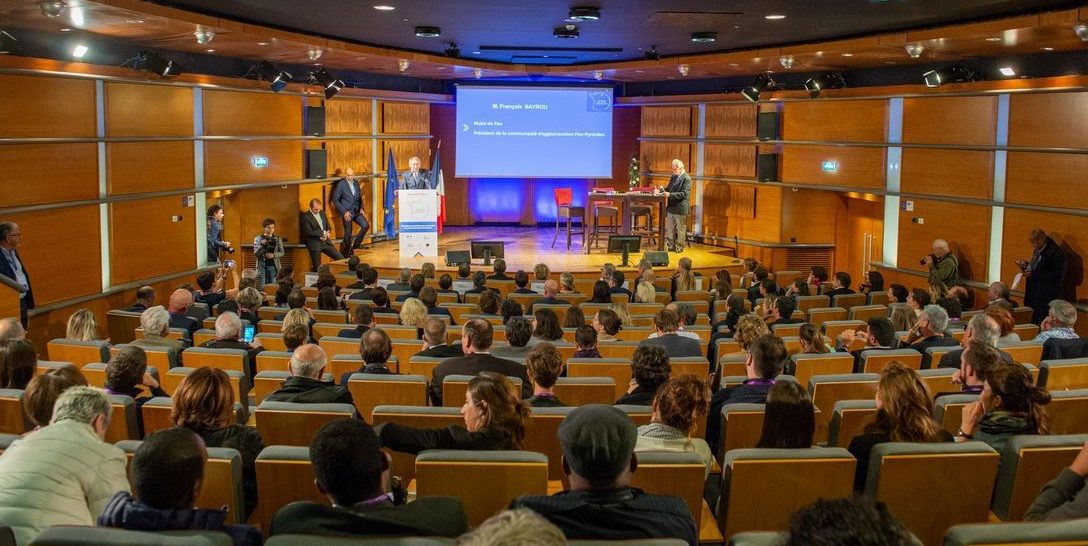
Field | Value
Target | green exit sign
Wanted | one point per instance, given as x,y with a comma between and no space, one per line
829,166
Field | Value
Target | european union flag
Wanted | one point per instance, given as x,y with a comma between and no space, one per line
390,195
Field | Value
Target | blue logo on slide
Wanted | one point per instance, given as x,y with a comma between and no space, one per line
599,101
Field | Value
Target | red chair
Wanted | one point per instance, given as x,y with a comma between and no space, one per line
604,209
564,208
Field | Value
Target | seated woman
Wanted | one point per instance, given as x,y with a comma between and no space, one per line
544,366
789,418
874,282
327,300
650,368
812,341
1005,322
735,309
623,313
918,300
494,420
798,288
204,403
723,285
545,328
645,293
574,317
600,293
1010,405
489,303
903,414
904,318
42,393
299,317
283,290
17,361
678,405
82,326
126,374
509,310
414,313
566,283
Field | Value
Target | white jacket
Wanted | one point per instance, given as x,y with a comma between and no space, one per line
62,474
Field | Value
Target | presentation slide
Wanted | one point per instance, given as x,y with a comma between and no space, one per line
534,132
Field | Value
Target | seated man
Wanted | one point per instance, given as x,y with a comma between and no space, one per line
479,284
817,275
858,520
429,296
381,303
585,338
544,366
650,369
782,312
928,332
295,336
765,360
551,290
403,281
686,316
615,284
351,469
180,302
445,286
167,475
228,331
364,320
11,328
667,322
518,333
756,291
369,278
983,329
598,459
1065,497
145,298
1059,322
955,312
977,362
521,283
881,336
476,338
375,348
999,294
499,268
305,386
840,285
62,474
434,341
415,284
155,322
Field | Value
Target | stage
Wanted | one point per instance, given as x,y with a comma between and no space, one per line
528,246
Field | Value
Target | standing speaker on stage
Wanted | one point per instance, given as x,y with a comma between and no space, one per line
314,227
348,197
416,178
677,205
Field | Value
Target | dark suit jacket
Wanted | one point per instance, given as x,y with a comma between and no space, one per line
441,311
676,345
442,351
951,359
9,272
429,516
364,294
311,231
181,321
679,189
839,292
473,364
355,333
310,391
921,345
1046,281
343,198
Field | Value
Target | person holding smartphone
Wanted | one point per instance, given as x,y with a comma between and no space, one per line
229,333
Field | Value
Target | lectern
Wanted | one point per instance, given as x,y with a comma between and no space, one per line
418,224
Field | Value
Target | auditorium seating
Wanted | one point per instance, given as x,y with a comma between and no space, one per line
580,391
874,360
284,475
372,390
12,418
848,420
485,481
415,416
123,423
272,361
1068,374
105,536
294,424
222,485
1062,533
455,386
832,328
847,301
673,473
1068,412
826,390
934,354
266,383
1025,353
238,381
819,315
121,325
808,303
948,410
224,359
542,436
619,369
866,312
808,365
156,414
940,380
1029,462
78,352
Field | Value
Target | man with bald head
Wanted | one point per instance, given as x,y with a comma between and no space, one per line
305,386
943,266
180,302
348,196
10,328
551,290
1045,274
677,206
415,178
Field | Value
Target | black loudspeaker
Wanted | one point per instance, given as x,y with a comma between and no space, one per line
767,126
458,257
656,258
316,164
315,120
767,168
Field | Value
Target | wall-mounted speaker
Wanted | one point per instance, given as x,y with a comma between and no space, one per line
767,126
316,164
458,257
767,168
315,120
656,258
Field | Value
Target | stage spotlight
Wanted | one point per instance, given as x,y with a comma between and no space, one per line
1081,30
652,54
332,85
152,62
8,43
267,71
954,73
53,8
452,50
428,32
915,50
828,80
204,36
762,83
584,14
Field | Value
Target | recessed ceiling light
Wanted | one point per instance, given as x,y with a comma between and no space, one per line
774,17
210,50
640,71
847,54
134,21
79,51
428,32
66,29
704,37
993,39
733,64
262,43
1048,49
383,7
1007,71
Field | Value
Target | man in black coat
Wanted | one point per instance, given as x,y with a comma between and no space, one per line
434,341
476,338
677,207
667,322
551,290
305,386
1045,275
316,233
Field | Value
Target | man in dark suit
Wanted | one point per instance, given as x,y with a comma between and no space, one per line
880,337
840,285
364,320
305,386
348,196
370,282
783,312
615,285
145,298
476,338
11,266
677,206
180,302
667,323
415,284
314,225
928,332
499,268
434,341
551,290
1045,275
415,178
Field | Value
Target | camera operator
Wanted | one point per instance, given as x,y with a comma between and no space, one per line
215,231
269,249
943,266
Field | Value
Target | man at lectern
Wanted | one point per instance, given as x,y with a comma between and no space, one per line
677,205
416,178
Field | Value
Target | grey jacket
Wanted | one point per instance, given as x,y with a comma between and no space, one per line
277,254
1065,497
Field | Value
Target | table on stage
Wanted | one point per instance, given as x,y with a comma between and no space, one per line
623,202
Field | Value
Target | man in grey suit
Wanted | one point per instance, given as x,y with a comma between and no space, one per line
415,178
315,230
348,197
677,205
667,323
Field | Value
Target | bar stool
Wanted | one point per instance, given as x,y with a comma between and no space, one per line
643,211
564,208
604,209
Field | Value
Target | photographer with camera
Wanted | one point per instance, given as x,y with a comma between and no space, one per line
269,249
943,266
215,231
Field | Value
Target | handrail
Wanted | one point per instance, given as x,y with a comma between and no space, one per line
871,144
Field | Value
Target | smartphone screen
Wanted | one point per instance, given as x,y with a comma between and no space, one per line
248,332
229,264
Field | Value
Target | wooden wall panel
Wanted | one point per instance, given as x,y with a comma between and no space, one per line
808,216
729,160
717,199
135,167
48,173
62,251
961,173
1048,119
1056,180
667,121
251,207
1068,231
657,156
950,120
858,167
626,123
230,162
45,106
965,227
134,109
355,154
233,113
848,120
731,120
347,116
403,150
405,118
171,247
767,225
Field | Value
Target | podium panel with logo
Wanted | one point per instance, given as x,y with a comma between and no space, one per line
418,223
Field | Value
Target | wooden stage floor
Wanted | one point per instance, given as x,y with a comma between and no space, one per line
528,246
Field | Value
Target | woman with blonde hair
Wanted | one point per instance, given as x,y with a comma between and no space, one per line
82,326
645,293
685,281
903,414
812,341
414,313
427,270
677,407
749,328
621,311
903,318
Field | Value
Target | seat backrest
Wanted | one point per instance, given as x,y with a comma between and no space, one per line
420,365
542,436
1022,314
808,365
1026,331
689,365
1025,353
948,410
294,424
878,298
123,423
1067,374
848,420
333,317
847,301
741,427
681,474
108,536
372,390
273,361
284,475
866,312
826,390
404,464
818,315
806,303
761,488
156,414
832,328
339,346
1058,533
619,369
455,386
317,540
266,383
940,380
224,359
955,477
782,330
238,381
563,196
78,352
874,361
12,417
618,349
1068,411
580,391
121,325
485,481
1028,463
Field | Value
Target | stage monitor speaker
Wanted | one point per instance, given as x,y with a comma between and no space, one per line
458,257
315,120
656,258
316,164
767,168
767,126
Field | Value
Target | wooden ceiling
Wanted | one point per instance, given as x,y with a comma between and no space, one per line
168,28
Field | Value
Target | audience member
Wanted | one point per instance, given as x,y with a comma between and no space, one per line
415,284
817,275
977,362
897,293
17,361
249,301
413,313
298,317
782,312
551,290
180,302
600,293
566,283
943,265
812,341
212,287
204,403
763,364
353,472
723,285
429,297
305,386
499,270
518,333
369,278
546,327
403,281
434,341
479,283
918,299
903,318
758,276
283,291
11,328
380,297
43,390
295,336
427,270
789,418
1010,404
228,331
857,521
544,366
1005,323
364,320
445,286
982,328
598,445
126,374
476,338
522,527
489,303
799,287
155,322
607,323
955,312
585,338
1065,497
735,308
963,295
874,282
62,474
327,301
615,285
879,337
509,310
677,407
928,332
1059,322
521,283
650,368
667,322
464,271
375,348
574,317
645,293
145,298
840,285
